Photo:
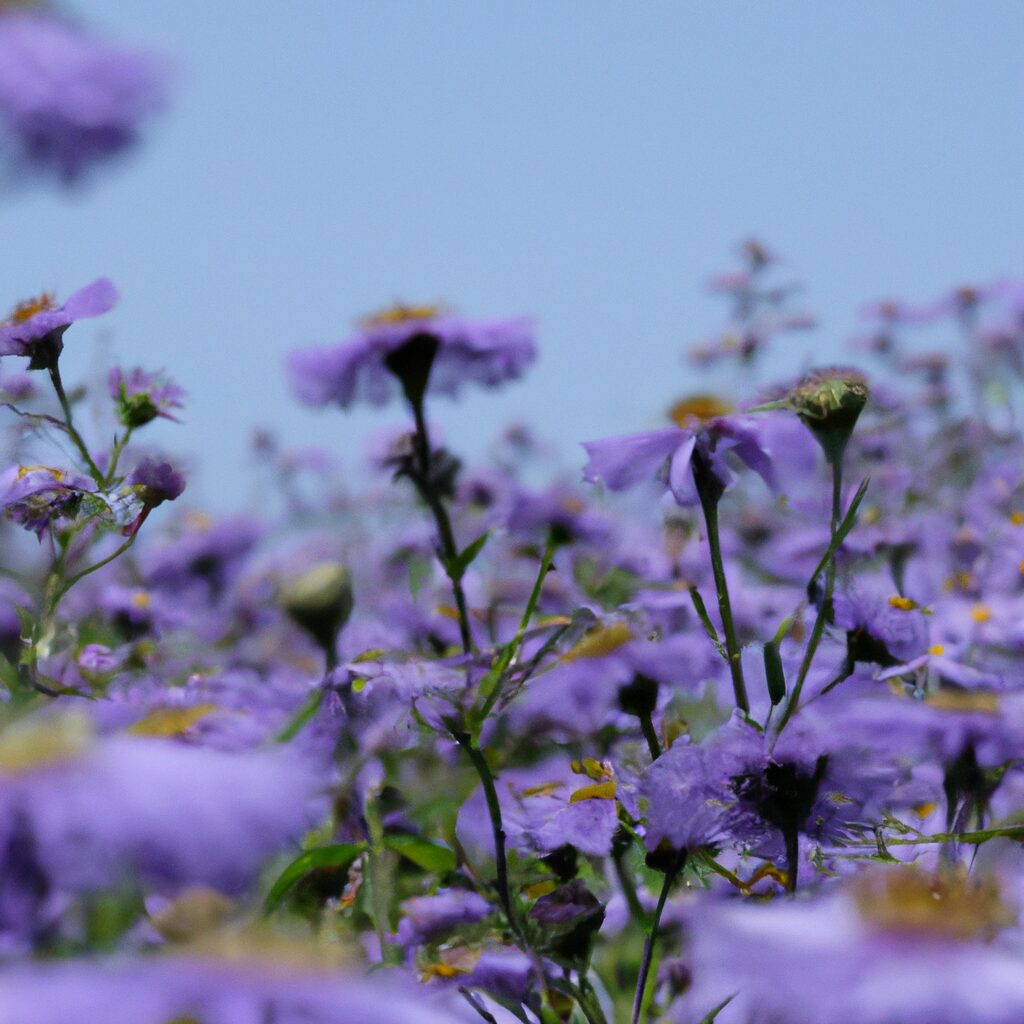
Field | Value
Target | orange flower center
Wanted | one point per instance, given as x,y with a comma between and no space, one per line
26,310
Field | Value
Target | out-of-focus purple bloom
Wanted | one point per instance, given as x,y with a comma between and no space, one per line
427,918
36,327
142,396
488,352
94,811
67,99
35,496
232,989
912,950
209,553
673,455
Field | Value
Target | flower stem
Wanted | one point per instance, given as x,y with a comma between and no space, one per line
652,935
483,770
732,647
425,485
76,438
825,609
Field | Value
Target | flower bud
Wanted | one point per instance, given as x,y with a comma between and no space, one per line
320,601
829,402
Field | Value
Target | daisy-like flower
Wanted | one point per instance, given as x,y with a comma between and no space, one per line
36,327
412,341
67,99
35,496
684,459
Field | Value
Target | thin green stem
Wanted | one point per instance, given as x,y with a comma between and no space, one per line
652,936
58,386
647,727
497,673
825,608
628,886
120,443
446,535
732,647
69,583
486,776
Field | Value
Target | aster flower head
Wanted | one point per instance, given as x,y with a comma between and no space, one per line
141,396
67,99
36,496
690,462
412,348
35,328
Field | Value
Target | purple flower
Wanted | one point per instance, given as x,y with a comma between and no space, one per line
901,948
88,812
35,496
428,918
142,397
68,100
244,984
676,454
153,483
489,352
36,327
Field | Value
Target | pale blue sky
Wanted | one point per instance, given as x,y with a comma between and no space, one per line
588,162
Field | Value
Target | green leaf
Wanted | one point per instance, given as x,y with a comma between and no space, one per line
848,523
302,716
456,567
705,621
428,856
339,856
713,1015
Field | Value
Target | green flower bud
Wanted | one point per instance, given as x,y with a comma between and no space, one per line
829,402
320,601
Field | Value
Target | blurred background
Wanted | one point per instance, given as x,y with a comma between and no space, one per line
591,163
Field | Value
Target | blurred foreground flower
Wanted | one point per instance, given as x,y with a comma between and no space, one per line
67,99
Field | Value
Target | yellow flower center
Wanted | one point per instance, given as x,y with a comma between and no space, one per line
400,313
1017,518
936,649
952,903
697,407
904,604
980,613
26,310
32,742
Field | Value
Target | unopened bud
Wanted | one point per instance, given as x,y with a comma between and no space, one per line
320,601
829,402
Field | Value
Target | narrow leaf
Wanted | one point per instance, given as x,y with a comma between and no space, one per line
848,523
705,619
302,716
